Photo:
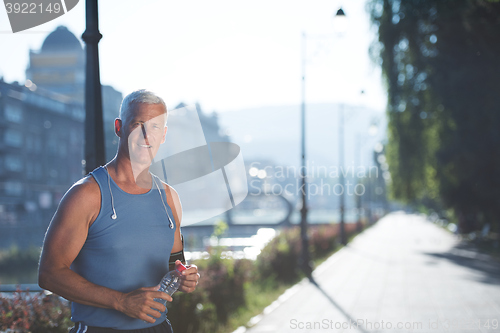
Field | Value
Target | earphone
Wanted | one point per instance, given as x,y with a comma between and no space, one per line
114,216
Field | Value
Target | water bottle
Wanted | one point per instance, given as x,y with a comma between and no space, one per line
171,282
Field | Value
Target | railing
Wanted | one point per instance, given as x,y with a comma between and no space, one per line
10,288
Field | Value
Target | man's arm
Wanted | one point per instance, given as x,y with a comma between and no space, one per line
64,239
175,204
189,283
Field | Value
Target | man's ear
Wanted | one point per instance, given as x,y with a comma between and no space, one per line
164,135
118,127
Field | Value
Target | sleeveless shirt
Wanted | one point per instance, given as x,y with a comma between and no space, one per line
127,253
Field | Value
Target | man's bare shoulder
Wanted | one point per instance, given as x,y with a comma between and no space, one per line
84,193
86,186
79,206
173,201
170,190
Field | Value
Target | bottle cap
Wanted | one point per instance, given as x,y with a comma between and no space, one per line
180,267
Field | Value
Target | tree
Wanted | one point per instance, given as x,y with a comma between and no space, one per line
441,63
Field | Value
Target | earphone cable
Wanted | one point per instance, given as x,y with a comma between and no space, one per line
114,216
171,224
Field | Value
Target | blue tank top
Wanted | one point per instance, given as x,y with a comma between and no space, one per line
127,253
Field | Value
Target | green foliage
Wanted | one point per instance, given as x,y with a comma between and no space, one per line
37,313
440,60
193,312
278,260
323,241
219,294
220,228
15,258
19,266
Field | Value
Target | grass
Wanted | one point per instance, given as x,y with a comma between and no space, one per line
258,298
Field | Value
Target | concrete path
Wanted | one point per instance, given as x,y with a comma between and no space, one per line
402,275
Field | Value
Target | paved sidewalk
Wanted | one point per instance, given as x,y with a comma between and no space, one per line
402,275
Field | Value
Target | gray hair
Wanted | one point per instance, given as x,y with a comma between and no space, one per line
136,97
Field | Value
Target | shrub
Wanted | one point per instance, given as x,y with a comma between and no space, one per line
323,241
19,266
192,312
220,292
278,259
39,313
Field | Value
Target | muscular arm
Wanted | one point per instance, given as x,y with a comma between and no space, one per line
65,237
191,274
175,204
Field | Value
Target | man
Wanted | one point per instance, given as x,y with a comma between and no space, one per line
109,242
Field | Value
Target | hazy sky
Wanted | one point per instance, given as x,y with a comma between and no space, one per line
225,54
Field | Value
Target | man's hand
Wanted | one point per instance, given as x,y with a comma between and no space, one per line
140,304
190,280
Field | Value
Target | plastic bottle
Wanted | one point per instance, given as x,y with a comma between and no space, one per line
171,282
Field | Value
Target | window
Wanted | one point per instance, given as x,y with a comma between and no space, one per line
38,170
62,148
38,145
29,142
30,170
13,188
13,113
13,163
52,144
13,138
73,137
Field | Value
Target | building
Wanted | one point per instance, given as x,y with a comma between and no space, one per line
42,136
41,152
59,66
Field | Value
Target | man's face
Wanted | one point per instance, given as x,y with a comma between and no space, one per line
144,131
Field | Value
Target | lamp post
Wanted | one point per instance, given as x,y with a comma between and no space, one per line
343,236
361,141
94,130
340,27
304,260
305,257
359,203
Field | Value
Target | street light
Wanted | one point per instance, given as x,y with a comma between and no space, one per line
340,26
340,19
304,258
